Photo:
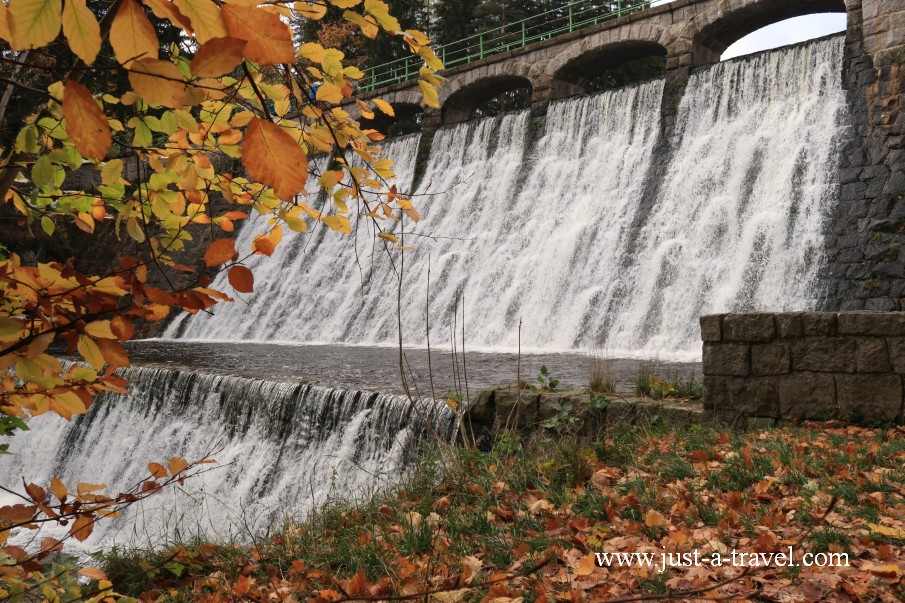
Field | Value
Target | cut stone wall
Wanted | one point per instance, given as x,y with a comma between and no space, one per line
806,365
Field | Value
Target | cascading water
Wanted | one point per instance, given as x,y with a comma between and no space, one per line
311,284
281,449
516,253
556,239
739,222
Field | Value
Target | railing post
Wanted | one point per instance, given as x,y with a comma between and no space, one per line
481,45
406,68
523,32
618,8
570,17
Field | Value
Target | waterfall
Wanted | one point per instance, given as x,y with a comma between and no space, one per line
281,448
566,235
739,222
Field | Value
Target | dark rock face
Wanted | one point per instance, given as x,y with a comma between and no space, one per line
815,365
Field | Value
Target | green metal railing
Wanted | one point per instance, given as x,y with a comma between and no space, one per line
543,26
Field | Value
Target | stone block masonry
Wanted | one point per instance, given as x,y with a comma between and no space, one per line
807,365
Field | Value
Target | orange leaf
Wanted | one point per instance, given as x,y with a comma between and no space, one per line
82,527
274,158
157,470
132,35
51,545
217,57
158,82
113,352
164,9
122,328
586,565
58,488
85,122
241,279
263,245
269,39
177,465
93,573
220,251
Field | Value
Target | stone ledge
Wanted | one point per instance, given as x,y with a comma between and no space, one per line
806,365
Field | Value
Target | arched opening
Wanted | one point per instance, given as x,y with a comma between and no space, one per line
790,31
609,67
714,40
406,121
488,97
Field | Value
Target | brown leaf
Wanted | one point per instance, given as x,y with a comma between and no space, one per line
122,328
242,279
157,470
274,158
85,122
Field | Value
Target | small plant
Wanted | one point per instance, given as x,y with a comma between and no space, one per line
565,418
546,380
660,387
601,378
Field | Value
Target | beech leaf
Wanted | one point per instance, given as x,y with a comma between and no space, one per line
274,158
86,124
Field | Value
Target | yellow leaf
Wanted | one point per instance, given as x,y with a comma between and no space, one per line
34,23
82,30
86,124
90,352
886,531
217,57
381,11
205,18
654,519
132,35
345,3
388,237
586,565
431,97
4,24
329,93
311,10
338,223
177,465
274,158
85,488
385,107
269,39
99,328
158,82
368,25
312,51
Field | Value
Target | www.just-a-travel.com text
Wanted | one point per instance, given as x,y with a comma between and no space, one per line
662,561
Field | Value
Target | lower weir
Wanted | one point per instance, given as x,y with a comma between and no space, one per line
281,448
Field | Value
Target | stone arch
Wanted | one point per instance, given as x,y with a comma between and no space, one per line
720,31
572,75
407,115
465,94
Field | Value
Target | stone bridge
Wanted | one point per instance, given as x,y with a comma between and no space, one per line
688,33
865,268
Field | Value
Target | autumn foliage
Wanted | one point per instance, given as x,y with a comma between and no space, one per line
153,138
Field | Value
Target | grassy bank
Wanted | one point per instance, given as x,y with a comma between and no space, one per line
522,523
